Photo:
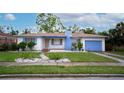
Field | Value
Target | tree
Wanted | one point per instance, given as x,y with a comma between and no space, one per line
90,31
74,28
22,45
26,31
49,22
120,29
31,45
13,31
1,29
104,33
116,36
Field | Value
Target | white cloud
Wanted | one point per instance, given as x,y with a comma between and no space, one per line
9,17
97,20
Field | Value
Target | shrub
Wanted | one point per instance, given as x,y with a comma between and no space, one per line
22,45
108,47
74,46
6,47
31,45
79,45
1,47
120,49
14,46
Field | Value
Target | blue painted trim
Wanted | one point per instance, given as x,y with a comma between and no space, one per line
68,40
53,36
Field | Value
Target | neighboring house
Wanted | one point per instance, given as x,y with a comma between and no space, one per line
7,38
63,41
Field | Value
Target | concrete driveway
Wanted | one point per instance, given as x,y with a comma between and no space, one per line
109,56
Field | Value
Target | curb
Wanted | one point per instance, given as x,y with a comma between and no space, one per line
60,75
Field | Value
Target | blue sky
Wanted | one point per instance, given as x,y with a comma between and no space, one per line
100,21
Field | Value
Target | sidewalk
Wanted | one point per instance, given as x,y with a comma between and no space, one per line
63,64
110,54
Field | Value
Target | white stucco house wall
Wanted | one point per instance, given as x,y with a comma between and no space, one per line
63,41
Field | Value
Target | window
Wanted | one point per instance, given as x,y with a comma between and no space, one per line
29,39
56,42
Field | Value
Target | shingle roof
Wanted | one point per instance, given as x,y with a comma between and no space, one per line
43,34
60,34
5,35
2,36
85,35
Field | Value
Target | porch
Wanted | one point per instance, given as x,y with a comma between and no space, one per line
53,44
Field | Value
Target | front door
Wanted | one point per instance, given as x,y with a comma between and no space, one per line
46,43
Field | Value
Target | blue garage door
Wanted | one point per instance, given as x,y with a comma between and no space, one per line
93,45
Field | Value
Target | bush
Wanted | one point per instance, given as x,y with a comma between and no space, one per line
120,49
1,47
31,45
79,45
108,47
14,46
5,47
22,45
74,46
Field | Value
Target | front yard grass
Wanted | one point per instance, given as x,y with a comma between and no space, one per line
79,56
118,53
61,70
11,56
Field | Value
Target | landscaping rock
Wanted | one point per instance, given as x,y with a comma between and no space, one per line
51,61
43,57
59,61
27,60
19,60
65,60
37,60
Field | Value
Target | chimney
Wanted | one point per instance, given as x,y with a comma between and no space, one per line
68,40
68,33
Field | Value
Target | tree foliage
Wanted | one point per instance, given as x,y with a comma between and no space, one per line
90,31
49,22
115,36
31,45
79,45
1,29
26,31
104,33
13,31
22,45
74,28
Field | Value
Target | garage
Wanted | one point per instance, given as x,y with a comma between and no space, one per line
93,45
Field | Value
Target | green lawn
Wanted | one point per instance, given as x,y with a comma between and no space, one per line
119,53
79,57
11,56
61,70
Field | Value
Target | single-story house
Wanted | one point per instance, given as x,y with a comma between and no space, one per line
63,41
